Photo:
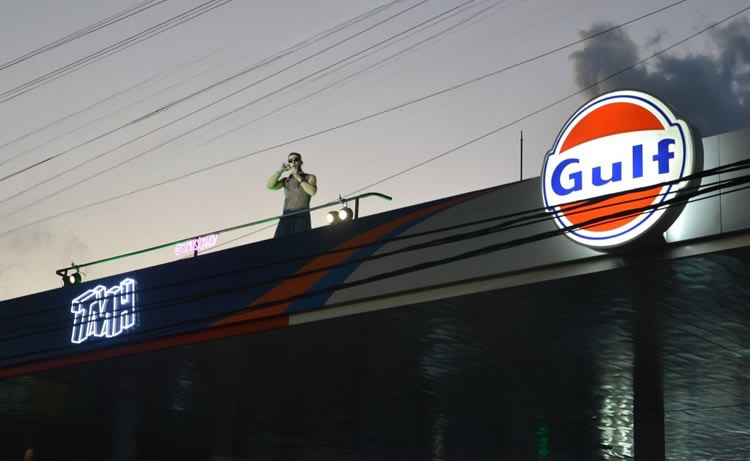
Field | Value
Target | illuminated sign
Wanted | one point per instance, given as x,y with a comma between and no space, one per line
104,313
616,143
197,244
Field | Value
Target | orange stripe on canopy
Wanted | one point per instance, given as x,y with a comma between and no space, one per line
298,285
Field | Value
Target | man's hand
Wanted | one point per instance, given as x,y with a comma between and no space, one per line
273,181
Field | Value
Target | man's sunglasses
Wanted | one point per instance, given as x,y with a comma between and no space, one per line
292,160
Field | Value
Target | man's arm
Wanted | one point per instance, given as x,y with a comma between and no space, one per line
310,186
273,181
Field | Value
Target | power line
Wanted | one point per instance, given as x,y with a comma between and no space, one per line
114,48
353,75
168,303
300,45
463,84
166,107
509,221
349,77
168,141
521,219
150,80
124,14
546,107
361,71
216,165
421,42
382,276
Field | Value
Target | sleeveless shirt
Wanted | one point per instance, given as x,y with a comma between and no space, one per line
295,196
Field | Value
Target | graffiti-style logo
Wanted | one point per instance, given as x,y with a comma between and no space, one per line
104,313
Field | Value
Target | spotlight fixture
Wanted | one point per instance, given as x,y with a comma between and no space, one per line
72,279
346,214
333,217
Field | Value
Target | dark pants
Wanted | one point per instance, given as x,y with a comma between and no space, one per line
292,224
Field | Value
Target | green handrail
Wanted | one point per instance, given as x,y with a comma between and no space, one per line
63,272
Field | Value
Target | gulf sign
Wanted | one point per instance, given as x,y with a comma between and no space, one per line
625,146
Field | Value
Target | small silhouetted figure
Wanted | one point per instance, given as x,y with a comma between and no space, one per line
28,455
298,187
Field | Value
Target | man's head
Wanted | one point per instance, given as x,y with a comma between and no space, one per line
294,159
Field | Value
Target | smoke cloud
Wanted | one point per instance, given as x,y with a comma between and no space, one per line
711,91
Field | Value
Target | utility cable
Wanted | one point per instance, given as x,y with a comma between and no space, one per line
146,82
114,48
360,72
39,163
516,220
172,327
216,165
117,17
166,107
502,127
300,45
169,302
546,107
510,221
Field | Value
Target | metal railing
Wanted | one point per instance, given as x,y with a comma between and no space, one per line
75,267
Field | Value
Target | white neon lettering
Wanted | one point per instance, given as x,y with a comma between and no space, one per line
102,312
197,244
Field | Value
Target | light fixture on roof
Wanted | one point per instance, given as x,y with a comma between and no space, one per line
333,217
345,214
71,279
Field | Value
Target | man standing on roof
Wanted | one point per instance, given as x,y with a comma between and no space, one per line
299,187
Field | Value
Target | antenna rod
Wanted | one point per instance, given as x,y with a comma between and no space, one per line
521,155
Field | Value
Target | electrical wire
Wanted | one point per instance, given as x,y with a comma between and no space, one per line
339,82
267,61
39,163
187,298
360,72
513,218
146,82
429,160
116,18
216,165
511,221
172,327
546,107
112,49
164,108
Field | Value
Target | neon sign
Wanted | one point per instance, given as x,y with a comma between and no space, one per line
198,244
628,147
104,313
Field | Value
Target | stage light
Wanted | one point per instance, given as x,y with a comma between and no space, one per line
333,217
72,279
346,214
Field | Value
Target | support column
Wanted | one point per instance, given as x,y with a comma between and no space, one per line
648,388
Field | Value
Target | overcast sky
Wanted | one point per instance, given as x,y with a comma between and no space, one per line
131,105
